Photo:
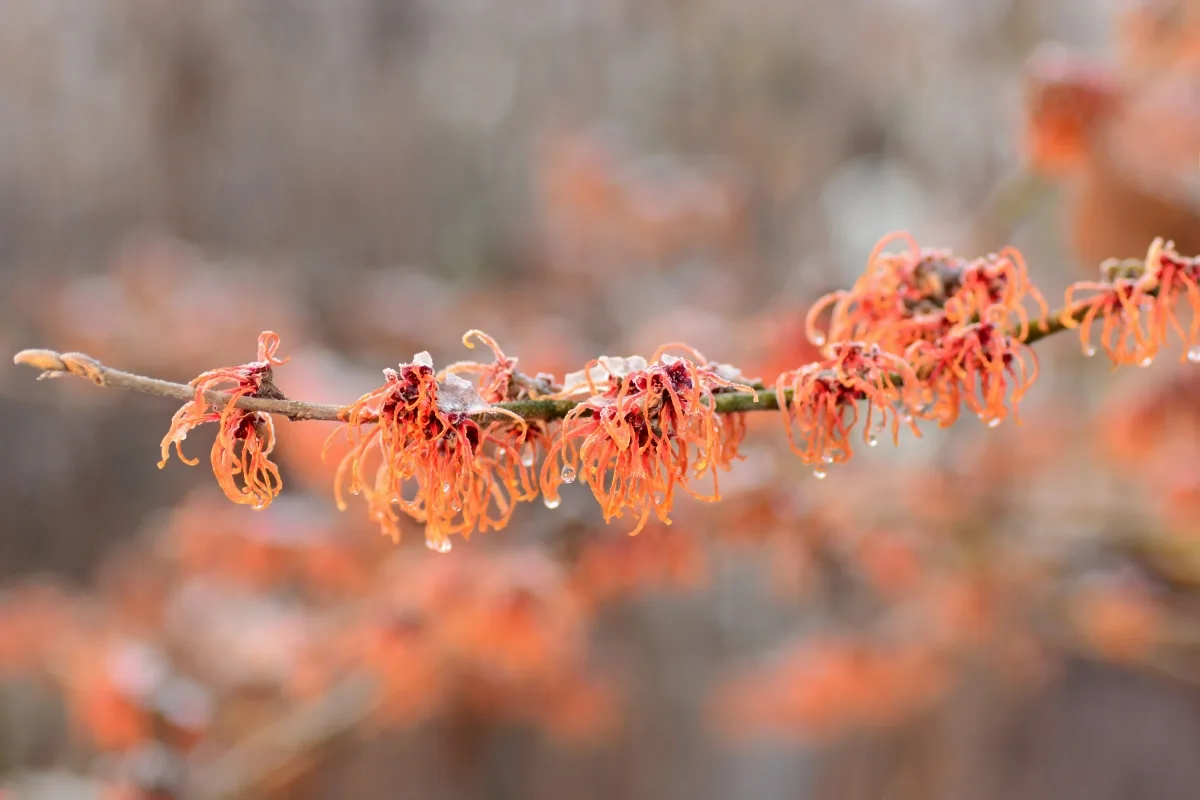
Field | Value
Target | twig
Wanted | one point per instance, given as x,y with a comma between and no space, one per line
54,365
255,760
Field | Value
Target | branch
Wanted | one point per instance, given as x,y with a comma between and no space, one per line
55,365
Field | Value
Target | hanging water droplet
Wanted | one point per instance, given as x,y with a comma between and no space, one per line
827,459
1145,362
446,487
444,546
500,451
527,458
818,340
1193,355
568,474
819,473
1089,352
872,441
994,422
551,502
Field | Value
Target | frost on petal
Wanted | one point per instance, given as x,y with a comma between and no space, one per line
600,371
730,373
458,396
422,359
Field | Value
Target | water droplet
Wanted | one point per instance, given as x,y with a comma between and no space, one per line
551,502
1089,352
1193,355
827,459
500,451
446,487
444,546
527,458
1145,362
872,441
994,422
568,474
819,473
818,340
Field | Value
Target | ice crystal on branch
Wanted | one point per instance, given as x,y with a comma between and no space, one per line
245,439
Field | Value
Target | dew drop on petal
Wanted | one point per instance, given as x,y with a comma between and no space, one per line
994,422
444,546
527,458
827,459
1145,362
551,502
819,473
446,487
1193,355
871,442
568,474
1089,352
500,451
818,340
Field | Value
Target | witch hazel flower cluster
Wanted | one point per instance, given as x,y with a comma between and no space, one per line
922,336
1136,306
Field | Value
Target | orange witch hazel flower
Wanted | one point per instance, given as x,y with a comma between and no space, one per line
433,458
978,365
245,439
1136,301
919,294
645,429
820,401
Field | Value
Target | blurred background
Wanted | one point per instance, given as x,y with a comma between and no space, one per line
979,614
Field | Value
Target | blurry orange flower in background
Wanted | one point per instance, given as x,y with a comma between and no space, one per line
1124,138
1119,621
497,636
826,686
612,568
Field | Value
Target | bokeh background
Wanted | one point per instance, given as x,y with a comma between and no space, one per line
978,614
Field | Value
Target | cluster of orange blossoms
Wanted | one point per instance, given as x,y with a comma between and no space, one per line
501,636
1136,304
432,459
921,335
649,429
